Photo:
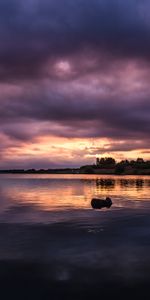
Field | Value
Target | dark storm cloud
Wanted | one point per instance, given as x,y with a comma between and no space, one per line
34,32
75,69
75,114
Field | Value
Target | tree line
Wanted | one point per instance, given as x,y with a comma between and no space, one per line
123,166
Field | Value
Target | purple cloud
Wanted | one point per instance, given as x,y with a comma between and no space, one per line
42,31
74,69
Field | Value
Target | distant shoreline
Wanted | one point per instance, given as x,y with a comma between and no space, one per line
77,171
103,166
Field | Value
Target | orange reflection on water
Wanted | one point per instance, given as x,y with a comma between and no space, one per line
55,192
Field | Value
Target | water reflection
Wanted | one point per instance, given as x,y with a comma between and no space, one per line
52,241
105,183
130,183
64,192
111,183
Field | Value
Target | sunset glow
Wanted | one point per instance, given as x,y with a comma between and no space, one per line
76,86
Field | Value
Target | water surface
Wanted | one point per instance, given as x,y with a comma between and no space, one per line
51,238
40,198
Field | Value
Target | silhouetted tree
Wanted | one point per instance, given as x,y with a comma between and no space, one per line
106,161
119,169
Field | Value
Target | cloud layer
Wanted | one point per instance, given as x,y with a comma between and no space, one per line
76,70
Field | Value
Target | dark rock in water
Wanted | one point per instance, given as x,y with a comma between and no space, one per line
97,203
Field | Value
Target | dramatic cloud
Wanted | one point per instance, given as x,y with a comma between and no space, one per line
62,109
37,32
76,70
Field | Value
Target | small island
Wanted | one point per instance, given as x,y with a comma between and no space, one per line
106,165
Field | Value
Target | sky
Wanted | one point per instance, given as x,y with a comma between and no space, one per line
74,81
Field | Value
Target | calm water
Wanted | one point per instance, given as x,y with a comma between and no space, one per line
53,198
50,234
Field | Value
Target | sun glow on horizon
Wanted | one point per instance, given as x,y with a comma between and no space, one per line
69,151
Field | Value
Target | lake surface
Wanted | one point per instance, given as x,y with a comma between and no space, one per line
51,238
53,198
